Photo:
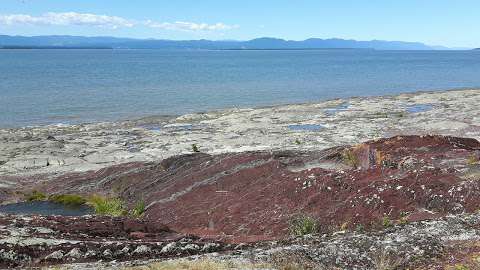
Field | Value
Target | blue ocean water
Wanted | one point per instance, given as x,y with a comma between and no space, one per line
71,86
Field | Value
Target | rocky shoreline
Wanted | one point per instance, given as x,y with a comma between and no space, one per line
78,148
380,188
99,243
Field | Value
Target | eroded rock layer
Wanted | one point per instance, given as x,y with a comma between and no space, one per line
33,241
253,195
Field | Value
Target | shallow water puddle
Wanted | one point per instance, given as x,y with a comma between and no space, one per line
151,127
45,209
417,108
169,127
306,127
179,127
340,108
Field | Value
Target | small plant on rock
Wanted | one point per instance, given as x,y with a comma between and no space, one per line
297,141
195,148
387,222
350,158
403,218
302,225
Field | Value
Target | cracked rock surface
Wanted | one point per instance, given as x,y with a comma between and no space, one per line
65,148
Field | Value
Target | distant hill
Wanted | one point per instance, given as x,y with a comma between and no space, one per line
259,43
15,47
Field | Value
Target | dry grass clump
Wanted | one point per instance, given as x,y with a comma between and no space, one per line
294,260
384,260
203,264
350,158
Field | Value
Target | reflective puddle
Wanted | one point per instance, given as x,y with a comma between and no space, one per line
340,108
306,127
45,208
417,108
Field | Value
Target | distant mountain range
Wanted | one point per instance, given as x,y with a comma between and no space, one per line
41,42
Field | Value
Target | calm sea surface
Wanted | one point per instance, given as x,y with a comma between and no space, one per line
71,86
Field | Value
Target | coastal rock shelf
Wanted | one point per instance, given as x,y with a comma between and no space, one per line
230,195
114,243
59,149
406,200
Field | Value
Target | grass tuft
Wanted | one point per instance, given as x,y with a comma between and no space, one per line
107,206
302,225
68,199
350,158
139,209
383,260
387,222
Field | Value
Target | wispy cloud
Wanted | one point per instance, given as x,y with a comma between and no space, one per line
189,26
67,18
105,21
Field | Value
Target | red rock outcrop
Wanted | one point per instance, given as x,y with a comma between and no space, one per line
253,195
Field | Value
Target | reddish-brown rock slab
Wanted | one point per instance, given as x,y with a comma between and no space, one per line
254,195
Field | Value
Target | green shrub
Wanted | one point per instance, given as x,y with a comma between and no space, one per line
138,210
35,196
68,199
107,206
303,225
297,141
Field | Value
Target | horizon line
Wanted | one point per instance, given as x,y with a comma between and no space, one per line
240,40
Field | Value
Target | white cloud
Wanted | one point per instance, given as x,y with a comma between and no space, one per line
67,18
190,26
114,22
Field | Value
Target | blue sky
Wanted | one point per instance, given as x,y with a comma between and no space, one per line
452,23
